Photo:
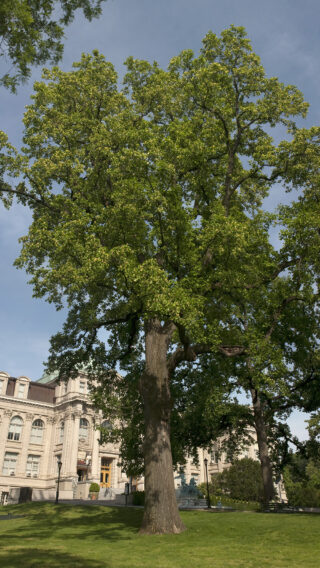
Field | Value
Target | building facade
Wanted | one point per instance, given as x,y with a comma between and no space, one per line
44,422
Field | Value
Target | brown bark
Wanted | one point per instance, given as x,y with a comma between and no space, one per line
262,438
161,514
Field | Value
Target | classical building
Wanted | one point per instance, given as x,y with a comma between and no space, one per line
43,423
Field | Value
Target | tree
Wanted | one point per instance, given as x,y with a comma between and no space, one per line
241,481
148,220
302,472
278,326
31,36
281,328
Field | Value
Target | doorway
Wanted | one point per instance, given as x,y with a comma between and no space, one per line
105,473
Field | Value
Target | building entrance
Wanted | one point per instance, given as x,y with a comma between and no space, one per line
105,473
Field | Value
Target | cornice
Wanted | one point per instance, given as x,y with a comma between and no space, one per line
26,402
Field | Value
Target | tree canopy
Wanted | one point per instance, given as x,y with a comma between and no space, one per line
148,223
31,33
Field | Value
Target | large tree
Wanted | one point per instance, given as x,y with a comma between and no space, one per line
31,33
147,219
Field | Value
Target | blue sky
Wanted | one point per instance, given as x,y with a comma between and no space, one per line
285,33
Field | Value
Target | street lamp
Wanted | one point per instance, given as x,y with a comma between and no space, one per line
59,471
208,494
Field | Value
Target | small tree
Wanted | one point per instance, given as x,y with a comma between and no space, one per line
242,481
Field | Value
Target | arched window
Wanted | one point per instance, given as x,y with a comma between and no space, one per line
84,428
37,432
15,428
105,427
61,432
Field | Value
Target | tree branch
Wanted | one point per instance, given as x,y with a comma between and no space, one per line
25,195
278,312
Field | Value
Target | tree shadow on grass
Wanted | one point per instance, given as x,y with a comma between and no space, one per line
35,558
69,522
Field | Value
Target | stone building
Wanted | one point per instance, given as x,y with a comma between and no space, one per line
43,423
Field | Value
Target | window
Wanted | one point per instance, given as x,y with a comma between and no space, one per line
82,388
64,388
33,465
15,428
106,425
61,432
9,463
214,456
21,389
229,456
37,432
84,427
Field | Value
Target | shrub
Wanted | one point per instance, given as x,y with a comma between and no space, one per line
138,498
94,488
302,482
242,481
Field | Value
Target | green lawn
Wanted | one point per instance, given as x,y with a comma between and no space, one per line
100,537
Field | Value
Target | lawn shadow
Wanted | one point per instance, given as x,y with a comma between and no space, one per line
36,558
76,521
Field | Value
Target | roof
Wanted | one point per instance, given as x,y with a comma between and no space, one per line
48,377
36,391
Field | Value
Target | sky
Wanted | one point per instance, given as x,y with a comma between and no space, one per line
284,33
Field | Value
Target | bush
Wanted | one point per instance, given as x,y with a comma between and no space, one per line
303,495
138,498
94,488
242,481
302,482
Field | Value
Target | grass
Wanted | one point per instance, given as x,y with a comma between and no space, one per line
66,536
238,505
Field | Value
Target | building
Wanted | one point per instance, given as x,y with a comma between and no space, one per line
44,422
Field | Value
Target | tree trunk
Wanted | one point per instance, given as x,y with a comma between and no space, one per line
262,438
161,513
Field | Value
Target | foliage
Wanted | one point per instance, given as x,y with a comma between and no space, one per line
148,223
227,501
204,410
94,488
30,34
302,472
101,537
138,498
314,427
242,481
302,483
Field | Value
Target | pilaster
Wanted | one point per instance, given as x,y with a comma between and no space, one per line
5,421
70,445
95,461
25,440
46,459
